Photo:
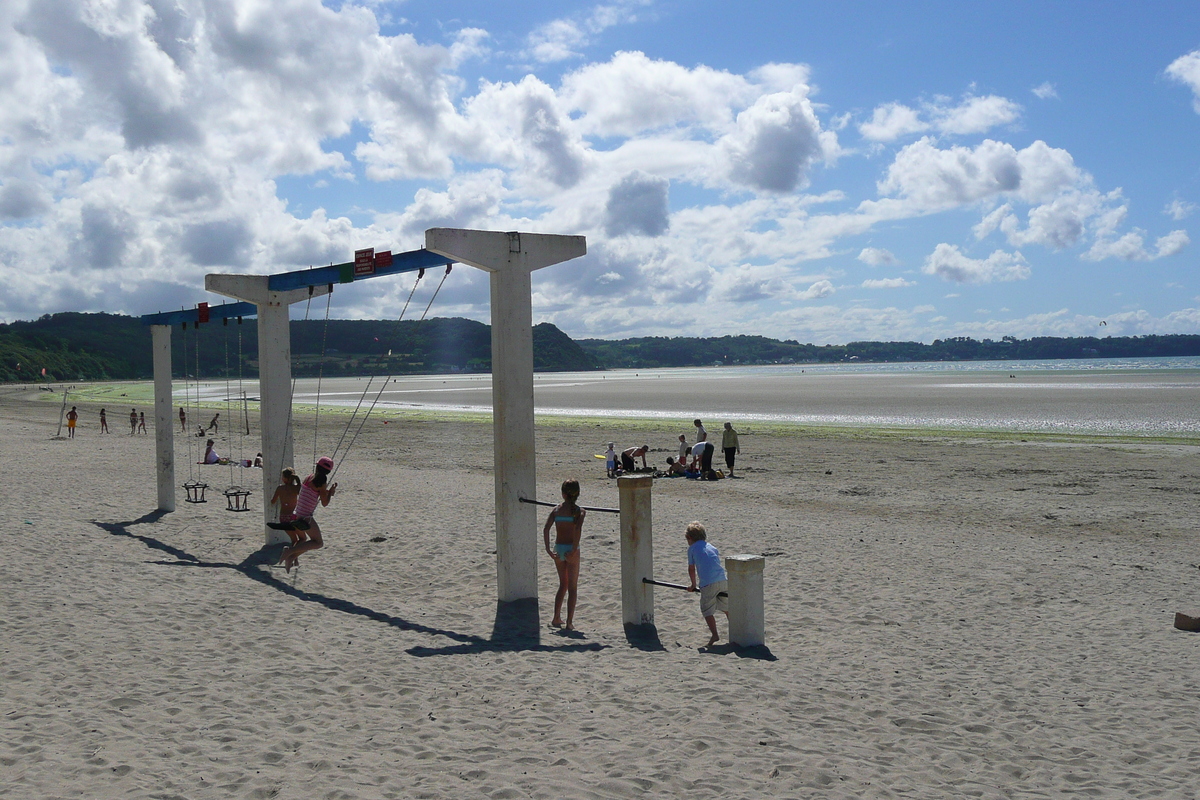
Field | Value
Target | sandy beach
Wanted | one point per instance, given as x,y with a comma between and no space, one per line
945,617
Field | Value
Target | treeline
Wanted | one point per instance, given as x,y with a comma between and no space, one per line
657,351
86,347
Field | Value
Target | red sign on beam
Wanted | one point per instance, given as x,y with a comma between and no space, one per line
364,261
383,259
201,312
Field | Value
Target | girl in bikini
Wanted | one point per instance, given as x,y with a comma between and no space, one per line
285,497
567,519
315,489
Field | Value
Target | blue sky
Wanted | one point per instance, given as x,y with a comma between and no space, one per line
812,171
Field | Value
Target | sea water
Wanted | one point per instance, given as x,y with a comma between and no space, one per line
1125,396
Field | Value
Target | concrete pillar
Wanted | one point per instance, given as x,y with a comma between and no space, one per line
510,258
164,429
274,375
637,549
747,624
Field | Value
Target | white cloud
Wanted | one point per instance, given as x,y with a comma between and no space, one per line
949,263
1179,209
887,283
1131,247
892,121
877,257
1045,91
561,39
775,141
1186,70
818,290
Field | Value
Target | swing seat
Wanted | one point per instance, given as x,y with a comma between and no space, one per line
294,525
195,491
236,499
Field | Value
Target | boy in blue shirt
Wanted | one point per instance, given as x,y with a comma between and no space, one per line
708,577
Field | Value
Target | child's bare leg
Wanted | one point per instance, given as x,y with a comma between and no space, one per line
561,566
572,587
712,627
314,543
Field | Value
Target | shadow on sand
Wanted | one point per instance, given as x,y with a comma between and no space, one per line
516,626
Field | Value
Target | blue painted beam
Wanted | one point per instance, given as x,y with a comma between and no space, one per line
411,261
192,315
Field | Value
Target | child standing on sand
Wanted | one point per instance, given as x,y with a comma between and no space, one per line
567,519
315,489
708,577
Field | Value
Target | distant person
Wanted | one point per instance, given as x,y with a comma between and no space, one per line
104,422
142,422
210,454
675,468
212,423
627,458
729,444
258,461
684,447
701,434
132,421
567,519
702,455
610,460
707,577
314,490
182,420
72,418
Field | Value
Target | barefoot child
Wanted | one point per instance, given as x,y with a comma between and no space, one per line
708,577
567,519
285,497
315,489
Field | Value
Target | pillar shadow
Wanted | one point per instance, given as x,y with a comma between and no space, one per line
643,636
511,631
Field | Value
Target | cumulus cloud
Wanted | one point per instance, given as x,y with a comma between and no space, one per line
637,205
561,39
1132,247
775,141
886,283
1179,209
1186,70
877,257
951,264
892,121
817,291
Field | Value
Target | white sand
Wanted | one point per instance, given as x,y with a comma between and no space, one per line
944,619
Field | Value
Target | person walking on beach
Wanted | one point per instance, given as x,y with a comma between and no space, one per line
142,422
132,421
701,434
707,577
104,422
72,418
182,420
212,424
567,519
315,490
729,444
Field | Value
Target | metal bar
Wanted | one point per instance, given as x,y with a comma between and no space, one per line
677,586
585,508
411,261
192,315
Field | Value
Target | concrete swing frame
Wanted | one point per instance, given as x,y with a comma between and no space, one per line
508,257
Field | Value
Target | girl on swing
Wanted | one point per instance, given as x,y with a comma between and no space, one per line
285,497
567,519
315,489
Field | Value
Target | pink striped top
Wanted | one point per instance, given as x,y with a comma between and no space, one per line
306,503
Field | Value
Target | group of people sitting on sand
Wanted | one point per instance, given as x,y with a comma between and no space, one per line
694,460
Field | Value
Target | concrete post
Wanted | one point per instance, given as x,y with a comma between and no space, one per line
164,429
637,549
510,258
747,624
274,375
